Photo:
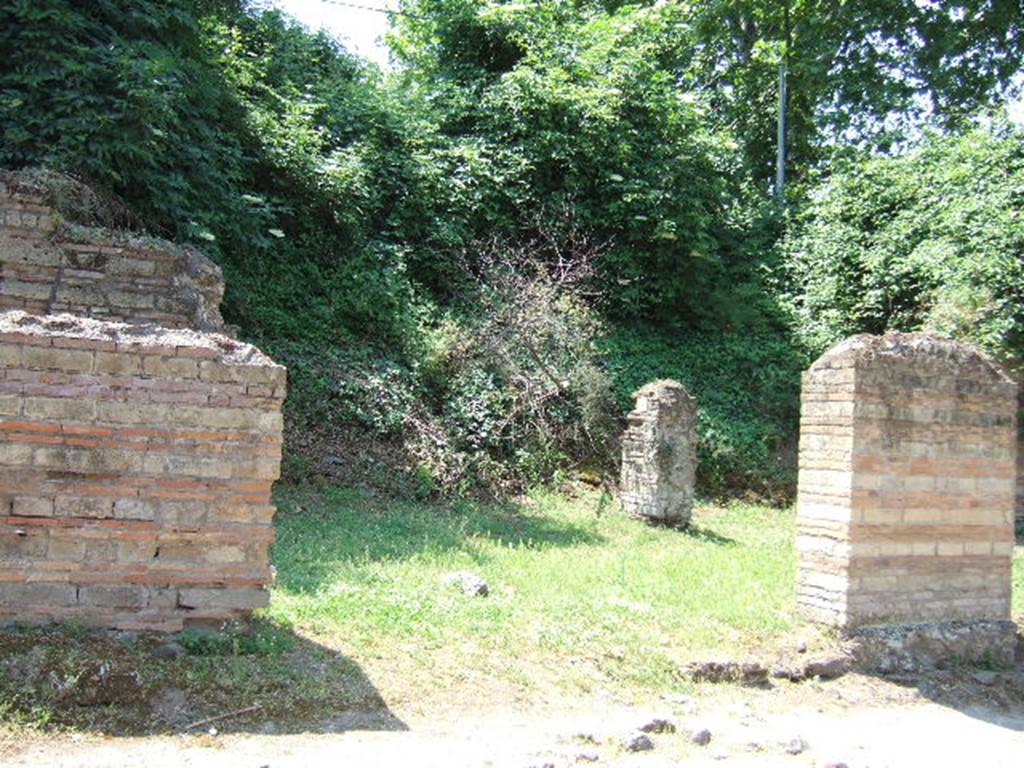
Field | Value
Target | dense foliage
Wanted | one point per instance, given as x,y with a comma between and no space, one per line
930,239
865,73
470,262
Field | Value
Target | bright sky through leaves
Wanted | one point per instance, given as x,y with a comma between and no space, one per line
360,30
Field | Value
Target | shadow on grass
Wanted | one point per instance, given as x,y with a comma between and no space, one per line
319,529
265,679
709,536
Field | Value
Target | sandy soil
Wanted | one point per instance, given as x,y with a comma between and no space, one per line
857,721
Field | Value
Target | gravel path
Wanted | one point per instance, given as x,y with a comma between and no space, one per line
823,728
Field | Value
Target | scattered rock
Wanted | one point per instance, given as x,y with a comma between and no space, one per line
824,668
701,738
727,672
795,746
836,765
637,742
985,677
801,646
658,725
170,650
827,668
470,583
588,756
588,737
793,674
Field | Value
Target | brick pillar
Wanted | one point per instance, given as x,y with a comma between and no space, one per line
659,454
906,498
1020,457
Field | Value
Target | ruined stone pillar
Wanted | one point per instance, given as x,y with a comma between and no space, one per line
138,443
659,454
906,498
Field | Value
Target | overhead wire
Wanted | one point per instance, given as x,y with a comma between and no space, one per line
361,7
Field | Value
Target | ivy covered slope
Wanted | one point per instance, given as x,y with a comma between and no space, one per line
371,230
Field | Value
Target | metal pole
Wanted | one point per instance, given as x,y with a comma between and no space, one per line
780,156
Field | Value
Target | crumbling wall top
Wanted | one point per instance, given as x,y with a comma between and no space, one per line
939,350
64,330
66,248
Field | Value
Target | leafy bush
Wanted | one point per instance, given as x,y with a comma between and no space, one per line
505,391
533,126
932,239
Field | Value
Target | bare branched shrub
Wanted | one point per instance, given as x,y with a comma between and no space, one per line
522,394
500,389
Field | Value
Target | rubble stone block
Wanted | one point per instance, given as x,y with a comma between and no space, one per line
95,273
659,454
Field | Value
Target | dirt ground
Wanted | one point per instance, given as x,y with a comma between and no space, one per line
947,719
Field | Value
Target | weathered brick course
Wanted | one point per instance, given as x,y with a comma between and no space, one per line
49,266
908,472
1020,455
133,491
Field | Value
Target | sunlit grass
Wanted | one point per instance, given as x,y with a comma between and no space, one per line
577,593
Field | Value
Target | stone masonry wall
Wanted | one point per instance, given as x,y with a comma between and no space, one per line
49,266
907,485
135,473
659,454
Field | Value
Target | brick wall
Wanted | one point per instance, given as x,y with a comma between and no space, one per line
907,483
48,266
135,472
1020,456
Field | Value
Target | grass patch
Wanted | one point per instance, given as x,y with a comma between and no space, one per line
66,677
583,600
580,595
1018,577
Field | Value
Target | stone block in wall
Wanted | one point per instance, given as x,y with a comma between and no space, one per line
907,487
659,454
50,265
135,472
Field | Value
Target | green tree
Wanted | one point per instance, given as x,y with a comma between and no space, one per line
864,72
930,239
544,110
